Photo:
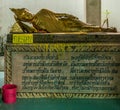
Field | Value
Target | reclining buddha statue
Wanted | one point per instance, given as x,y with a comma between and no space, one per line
51,22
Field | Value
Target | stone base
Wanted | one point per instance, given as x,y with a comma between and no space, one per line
63,68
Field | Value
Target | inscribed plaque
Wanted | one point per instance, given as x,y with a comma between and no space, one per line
72,70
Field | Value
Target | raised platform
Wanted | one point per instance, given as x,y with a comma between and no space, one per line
63,65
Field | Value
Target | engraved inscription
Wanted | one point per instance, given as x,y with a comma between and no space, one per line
73,68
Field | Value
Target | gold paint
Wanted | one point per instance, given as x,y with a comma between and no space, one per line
16,28
48,21
22,38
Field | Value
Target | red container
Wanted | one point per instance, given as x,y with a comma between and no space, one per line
9,93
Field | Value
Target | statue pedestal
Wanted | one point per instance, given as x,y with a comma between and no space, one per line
64,65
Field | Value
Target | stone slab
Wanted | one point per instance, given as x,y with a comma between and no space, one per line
65,70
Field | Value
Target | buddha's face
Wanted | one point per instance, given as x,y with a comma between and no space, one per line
22,14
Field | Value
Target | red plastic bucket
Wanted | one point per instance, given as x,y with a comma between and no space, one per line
9,93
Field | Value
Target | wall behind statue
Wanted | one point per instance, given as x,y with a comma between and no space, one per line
75,7
113,6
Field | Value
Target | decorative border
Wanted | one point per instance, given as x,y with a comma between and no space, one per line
66,95
9,48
